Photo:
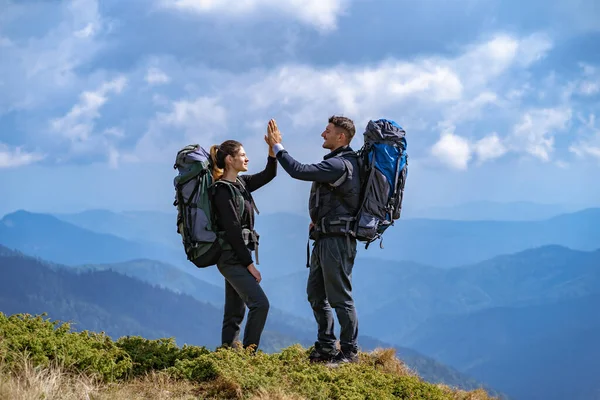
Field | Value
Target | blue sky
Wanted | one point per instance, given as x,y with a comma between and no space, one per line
500,100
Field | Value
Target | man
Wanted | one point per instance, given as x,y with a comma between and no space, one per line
334,200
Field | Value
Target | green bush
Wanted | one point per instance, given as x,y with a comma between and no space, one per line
44,342
230,373
150,355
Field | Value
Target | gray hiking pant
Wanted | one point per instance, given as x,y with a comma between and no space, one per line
330,286
241,290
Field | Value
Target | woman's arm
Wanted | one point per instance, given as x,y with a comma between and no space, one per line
229,220
258,180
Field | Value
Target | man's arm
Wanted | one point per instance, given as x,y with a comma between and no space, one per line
327,171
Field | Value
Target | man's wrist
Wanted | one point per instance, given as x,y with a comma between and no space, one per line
277,147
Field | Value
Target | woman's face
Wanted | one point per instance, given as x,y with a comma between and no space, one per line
239,162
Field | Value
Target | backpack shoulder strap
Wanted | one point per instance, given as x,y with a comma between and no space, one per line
348,170
249,195
235,194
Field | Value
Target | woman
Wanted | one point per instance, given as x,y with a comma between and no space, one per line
242,279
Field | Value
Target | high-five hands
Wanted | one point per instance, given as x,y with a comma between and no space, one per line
273,135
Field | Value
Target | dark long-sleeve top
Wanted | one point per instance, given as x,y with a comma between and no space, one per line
327,171
226,209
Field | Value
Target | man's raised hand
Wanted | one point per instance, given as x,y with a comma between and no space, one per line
273,133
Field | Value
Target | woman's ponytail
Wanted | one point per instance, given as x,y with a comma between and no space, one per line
218,153
217,172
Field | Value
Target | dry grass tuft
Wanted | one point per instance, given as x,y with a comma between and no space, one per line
155,385
275,395
386,361
457,394
28,382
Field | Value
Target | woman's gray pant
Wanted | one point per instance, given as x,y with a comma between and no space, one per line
241,291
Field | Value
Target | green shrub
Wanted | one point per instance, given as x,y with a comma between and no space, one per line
224,373
47,342
150,355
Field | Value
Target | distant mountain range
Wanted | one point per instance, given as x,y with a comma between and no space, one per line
50,238
503,272
104,300
552,348
492,211
47,237
139,226
440,243
163,275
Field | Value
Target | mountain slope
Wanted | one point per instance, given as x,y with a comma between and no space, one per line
137,226
440,243
115,303
491,211
120,305
163,275
393,298
537,276
552,347
48,237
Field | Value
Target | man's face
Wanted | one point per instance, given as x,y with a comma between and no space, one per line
333,137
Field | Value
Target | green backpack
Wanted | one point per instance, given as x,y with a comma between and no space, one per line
195,217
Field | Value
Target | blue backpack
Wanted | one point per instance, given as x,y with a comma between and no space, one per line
384,168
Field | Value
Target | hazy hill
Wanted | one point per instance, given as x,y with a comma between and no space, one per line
491,211
552,348
115,303
48,237
482,319
441,243
163,275
395,297
120,305
140,226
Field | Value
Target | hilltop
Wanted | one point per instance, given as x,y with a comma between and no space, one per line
41,358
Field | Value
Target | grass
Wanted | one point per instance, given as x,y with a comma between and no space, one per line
34,364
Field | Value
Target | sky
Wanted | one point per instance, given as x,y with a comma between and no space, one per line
500,99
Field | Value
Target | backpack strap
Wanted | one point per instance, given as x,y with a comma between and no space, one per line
248,234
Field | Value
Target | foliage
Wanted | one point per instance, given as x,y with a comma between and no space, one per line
149,355
47,342
224,373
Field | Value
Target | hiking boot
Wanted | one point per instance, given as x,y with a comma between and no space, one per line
342,358
316,356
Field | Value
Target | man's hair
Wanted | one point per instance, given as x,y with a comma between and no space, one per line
346,124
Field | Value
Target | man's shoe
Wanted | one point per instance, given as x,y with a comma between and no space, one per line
316,356
343,358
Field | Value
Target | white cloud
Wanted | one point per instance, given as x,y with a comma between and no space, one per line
533,48
155,76
42,67
535,132
12,158
452,150
357,91
456,152
78,124
322,14
589,143
201,120
489,148
485,61
88,31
